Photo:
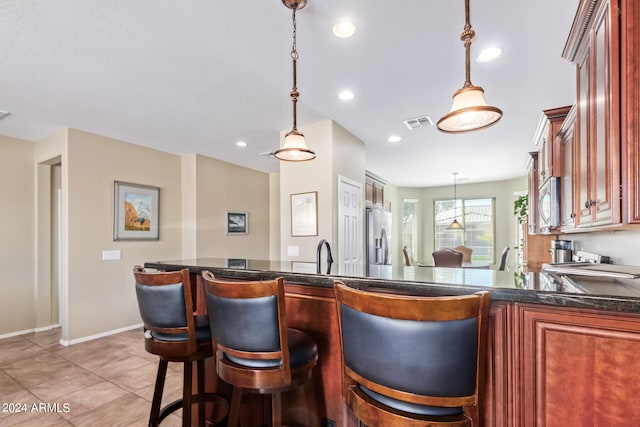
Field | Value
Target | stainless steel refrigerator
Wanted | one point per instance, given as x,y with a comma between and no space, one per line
378,243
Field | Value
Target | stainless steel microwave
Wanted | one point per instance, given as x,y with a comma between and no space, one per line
549,208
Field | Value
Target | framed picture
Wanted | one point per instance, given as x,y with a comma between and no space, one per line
304,214
136,211
237,222
238,263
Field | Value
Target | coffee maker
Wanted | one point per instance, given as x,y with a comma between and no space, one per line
561,251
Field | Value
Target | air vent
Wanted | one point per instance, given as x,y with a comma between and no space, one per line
418,122
3,114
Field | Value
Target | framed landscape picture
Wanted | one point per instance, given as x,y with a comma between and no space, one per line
237,222
136,211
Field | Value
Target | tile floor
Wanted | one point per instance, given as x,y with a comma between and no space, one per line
104,382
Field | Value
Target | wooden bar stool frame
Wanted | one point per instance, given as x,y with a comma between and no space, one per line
371,412
182,351
272,380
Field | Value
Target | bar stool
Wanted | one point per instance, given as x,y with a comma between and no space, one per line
256,352
174,334
412,361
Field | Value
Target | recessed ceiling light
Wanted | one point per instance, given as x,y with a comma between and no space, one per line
489,54
346,95
344,29
241,144
394,138
3,114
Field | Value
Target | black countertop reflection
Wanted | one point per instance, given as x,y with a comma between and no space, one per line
538,288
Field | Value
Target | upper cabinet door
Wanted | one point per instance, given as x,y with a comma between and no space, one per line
605,132
567,161
630,108
593,46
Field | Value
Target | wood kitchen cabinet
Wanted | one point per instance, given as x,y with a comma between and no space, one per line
565,141
374,192
630,109
593,45
542,166
498,408
533,186
577,367
548,152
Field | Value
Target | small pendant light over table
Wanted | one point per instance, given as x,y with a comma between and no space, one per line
455,225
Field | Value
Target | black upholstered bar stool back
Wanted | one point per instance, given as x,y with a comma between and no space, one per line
256,351
412,361
175,334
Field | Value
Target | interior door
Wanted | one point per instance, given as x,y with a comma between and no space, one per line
350,227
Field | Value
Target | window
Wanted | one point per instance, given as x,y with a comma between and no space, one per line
410,225
477,218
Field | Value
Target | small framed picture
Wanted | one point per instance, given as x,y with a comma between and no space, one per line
237,222
237,263
136,210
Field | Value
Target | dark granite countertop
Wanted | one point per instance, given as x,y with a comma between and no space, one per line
621,295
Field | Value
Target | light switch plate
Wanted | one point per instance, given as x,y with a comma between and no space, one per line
110,255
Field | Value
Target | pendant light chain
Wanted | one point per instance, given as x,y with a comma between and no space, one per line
294,59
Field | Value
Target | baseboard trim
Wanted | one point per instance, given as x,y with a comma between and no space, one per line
16,333
28,331
67,343
46,328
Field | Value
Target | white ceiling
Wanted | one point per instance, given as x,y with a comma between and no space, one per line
196,76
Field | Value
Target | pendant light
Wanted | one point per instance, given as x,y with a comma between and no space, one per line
455,225
294,148
469,110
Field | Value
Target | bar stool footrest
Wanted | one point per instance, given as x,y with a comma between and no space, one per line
208,397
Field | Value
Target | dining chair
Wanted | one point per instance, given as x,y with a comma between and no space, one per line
447,258
503,259
466,252
408,257
431,365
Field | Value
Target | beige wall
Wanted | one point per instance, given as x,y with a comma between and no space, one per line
503,191
274,216
188,204
349,160
98,295
222,187
101,295
303,177
17,248
337,153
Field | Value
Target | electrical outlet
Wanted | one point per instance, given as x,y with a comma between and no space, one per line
329,423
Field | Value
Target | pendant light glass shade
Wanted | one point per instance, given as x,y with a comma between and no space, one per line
294,148
455,225
469,110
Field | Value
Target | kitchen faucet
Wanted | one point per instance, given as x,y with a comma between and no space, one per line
324,242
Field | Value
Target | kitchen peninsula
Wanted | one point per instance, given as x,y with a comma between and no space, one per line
556,355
